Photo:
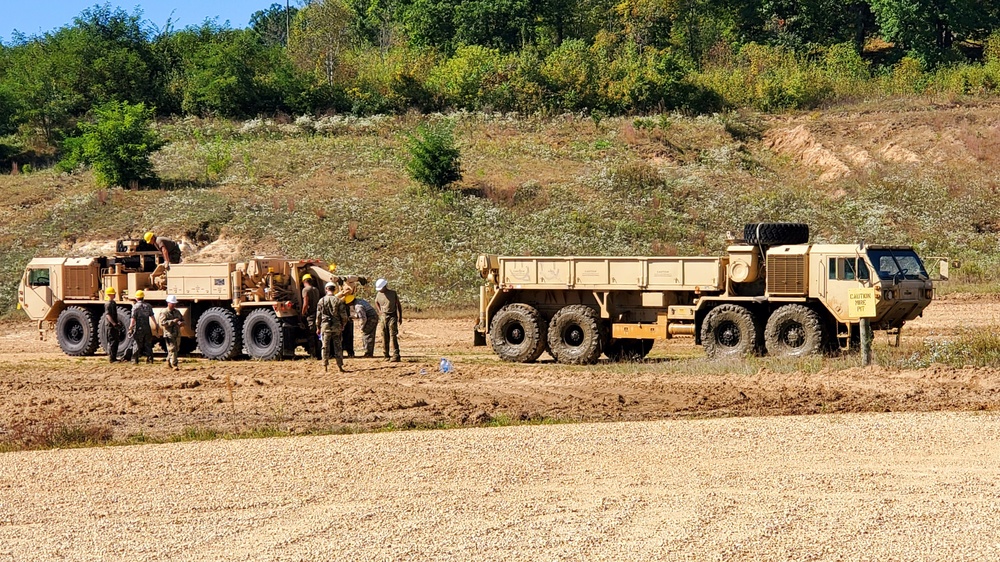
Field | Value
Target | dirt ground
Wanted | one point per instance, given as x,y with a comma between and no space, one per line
45,390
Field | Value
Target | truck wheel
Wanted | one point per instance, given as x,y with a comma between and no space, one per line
124,317
575,335
76,331
263,335
218,334
628,350
776,233
517,333
793,331
729,330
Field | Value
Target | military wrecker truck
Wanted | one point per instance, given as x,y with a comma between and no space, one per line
230,308
772,292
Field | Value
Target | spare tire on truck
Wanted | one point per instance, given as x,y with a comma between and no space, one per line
776,233
517,333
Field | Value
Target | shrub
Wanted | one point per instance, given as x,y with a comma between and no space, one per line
118,145
434,157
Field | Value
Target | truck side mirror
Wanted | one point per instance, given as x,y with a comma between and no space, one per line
943,266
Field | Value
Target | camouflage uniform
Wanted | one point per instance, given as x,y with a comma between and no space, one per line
171,320
390,316
115,329
310,296
331,315
142,339
367,318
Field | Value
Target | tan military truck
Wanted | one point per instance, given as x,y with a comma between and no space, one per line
230,308
772,292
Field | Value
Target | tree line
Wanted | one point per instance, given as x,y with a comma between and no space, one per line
386,56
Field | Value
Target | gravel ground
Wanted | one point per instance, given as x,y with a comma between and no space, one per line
837,487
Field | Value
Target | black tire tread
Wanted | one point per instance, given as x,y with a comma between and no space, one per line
226,317
811,323
751,340
535,330
86,319
277,329
588,319
776,233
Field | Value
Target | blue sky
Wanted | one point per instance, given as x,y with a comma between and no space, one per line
34,17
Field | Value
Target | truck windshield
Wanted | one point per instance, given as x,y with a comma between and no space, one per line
897,264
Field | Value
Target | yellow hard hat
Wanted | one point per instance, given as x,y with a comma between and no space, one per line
333,267
110,291
349,298
140,294
148,237
306,276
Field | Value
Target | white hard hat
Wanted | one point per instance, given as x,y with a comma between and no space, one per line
330,285
380,284
172,299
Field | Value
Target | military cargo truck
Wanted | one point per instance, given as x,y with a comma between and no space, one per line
772,292
230,308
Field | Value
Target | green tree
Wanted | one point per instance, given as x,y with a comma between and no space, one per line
320,39
434,158
118,144
273,23
928,29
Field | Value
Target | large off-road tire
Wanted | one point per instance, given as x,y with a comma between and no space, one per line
729,330
776,233
627,350
218,334
575,335
76,331
517,333
124,317
793,331
263,335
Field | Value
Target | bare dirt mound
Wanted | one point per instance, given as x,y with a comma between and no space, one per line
801,146
45,391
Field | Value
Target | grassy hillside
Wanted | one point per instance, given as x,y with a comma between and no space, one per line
902,172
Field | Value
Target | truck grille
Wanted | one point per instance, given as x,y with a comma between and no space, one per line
786,275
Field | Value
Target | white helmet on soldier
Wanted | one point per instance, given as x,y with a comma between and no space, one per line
380,284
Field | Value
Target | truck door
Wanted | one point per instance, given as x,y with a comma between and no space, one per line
37,292
843,273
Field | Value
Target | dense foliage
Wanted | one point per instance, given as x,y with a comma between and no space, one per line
391,56
118,145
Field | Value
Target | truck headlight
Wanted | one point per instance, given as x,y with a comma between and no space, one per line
929,294
888,294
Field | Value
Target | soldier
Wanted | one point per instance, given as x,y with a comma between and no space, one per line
115,328
348,343
171,251
390,317
172,320
331,316
142,342
310,298
367,318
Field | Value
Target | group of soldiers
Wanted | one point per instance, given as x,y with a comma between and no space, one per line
332,318
170,319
